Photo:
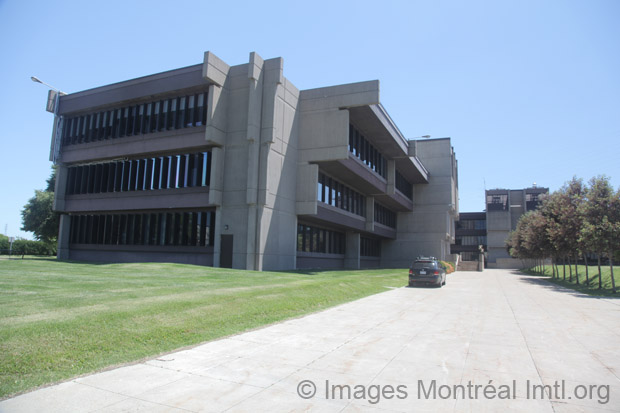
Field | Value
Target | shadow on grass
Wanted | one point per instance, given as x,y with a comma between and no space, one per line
580,290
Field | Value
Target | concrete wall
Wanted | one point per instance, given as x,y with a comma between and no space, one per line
501,222
259,162
513,263
429,229
138,253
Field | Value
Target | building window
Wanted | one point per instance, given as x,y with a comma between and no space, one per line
368,154
193,228
335,193
370,247
497,202
472,224
532,201
319,240
147,117
404,186
385,216
162,172
471,240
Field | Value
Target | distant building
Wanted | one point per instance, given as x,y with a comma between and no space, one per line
471,235
233,166
504,208
491,228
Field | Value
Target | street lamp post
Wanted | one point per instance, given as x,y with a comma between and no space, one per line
53,100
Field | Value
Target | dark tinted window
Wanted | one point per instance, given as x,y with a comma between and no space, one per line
424,264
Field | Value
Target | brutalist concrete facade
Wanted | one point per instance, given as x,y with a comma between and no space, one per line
504,208
233,166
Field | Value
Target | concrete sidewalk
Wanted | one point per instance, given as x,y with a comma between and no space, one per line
510,331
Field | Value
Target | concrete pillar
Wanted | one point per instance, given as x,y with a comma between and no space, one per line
217,238
352,251
216,185
391,177
60,188
64,232
370,213
253,129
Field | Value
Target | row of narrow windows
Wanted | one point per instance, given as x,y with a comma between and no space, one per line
163,172
161,228
471,240
335,193
167,114
403,185
368,154
370,247
325,241
313,239
476,224
385,216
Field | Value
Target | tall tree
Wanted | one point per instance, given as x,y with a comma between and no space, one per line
569,222
601,221
38,215
556,207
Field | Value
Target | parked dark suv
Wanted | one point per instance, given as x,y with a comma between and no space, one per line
427,270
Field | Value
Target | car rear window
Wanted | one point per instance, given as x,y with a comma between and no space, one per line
424,264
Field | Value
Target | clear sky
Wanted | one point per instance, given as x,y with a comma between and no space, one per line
528,90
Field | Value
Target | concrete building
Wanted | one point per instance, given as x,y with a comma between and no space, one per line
504,208
491,228
233,166
471,235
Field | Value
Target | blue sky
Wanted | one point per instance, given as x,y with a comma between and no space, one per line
528,90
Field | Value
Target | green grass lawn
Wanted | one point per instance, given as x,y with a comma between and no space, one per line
592,287
63,319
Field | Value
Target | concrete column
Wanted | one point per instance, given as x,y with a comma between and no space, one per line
391,177
352,251
255,107
217,237
60,188
215,132
306,193
216,185
64,231
370,213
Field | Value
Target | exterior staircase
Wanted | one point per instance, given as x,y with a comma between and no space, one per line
467,266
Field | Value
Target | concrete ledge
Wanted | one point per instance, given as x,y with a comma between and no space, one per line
214,69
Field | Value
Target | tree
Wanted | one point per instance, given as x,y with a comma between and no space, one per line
38,215
601,221
566,226
555,208
614,233
530,240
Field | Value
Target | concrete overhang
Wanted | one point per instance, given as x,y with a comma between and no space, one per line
327,215
142,88
379,128
356,175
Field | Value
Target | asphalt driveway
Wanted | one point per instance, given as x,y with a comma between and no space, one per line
492,341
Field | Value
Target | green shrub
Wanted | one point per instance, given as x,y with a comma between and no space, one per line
27,247
4,242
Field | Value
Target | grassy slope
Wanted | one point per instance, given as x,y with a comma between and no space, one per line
592,287
59,319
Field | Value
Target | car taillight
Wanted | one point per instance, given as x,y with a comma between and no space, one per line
436,272
410,271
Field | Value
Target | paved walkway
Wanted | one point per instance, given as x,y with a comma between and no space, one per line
520,332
